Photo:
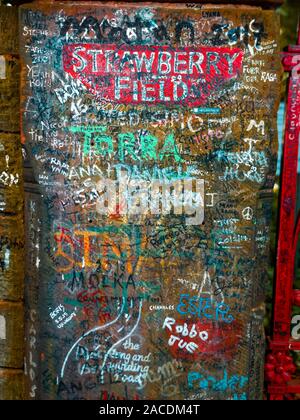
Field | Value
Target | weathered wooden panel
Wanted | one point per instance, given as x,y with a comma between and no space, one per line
11,212
11,257
11,335
11,174
9,93
9,30
11,384
152,134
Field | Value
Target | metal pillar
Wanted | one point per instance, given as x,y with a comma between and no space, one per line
279,364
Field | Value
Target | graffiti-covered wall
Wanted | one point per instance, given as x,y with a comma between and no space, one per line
152,134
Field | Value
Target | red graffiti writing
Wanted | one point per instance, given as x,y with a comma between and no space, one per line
152,74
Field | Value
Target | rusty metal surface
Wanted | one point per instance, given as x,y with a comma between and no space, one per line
167,303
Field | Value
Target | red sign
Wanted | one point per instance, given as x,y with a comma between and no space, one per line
152,74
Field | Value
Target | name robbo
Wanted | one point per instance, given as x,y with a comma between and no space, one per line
149,73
